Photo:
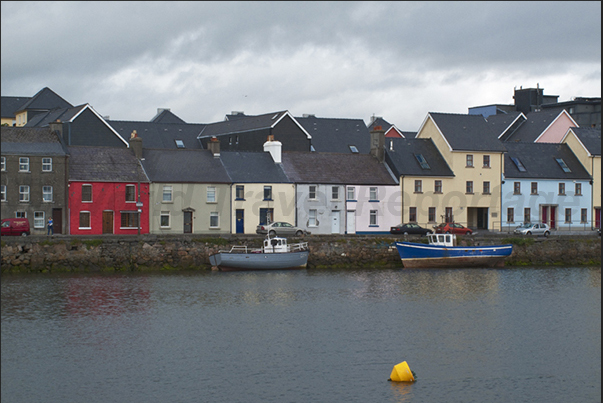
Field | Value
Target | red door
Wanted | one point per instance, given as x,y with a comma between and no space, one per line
545,214
597,218
553,216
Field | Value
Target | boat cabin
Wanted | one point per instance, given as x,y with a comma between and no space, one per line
446,240
275,245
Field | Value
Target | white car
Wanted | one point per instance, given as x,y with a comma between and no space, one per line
533,229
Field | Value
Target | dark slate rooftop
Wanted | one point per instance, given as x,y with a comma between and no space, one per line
535,124
45,99
403,161
334,135
467,132
503,122
252,167
166,116
334,168
62,114
590,138
104,164
9,106
30,141
242,124
184,166
539,160
160,135
379,121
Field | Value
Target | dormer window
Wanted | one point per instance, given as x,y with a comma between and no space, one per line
354,149
518,164
179,143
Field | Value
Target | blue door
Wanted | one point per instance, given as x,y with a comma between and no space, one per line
240,221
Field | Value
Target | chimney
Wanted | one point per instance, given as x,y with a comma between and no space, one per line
56,127
214,146
275,148
378,143
136,144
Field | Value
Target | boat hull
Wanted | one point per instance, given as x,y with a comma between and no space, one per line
259,261
416,255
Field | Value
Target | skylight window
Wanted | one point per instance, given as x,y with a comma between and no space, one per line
179,143
519,165
354,149
563,165
422,161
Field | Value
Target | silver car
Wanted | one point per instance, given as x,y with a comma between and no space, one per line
280,229
533,229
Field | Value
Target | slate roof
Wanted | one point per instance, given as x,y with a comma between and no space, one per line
334,135
184,166
45,99
166,116
379,121
539,160
403,161
335,168
160,135
62,114
104,164
535,124
590,138
9,106
503,122
467,132
252,167
242,124
30,141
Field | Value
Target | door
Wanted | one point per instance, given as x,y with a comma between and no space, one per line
351,222
482,218
188,222
57,220
240,226
335,222
553,217
545,214
597,218
107,222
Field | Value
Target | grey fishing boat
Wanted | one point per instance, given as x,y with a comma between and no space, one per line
275,254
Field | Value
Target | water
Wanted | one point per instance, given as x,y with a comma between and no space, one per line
508,335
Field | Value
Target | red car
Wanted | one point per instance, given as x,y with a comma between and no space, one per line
452,228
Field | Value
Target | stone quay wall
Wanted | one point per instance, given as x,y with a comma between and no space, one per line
153,253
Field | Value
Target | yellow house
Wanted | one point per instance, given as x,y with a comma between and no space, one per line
261,191
473,152
586,145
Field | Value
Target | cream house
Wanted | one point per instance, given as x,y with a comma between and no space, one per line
473,152
586,145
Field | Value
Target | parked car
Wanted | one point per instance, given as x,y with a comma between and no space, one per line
280,229
410,229
15,226
533,229
452,228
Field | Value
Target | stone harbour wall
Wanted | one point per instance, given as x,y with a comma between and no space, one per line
147,252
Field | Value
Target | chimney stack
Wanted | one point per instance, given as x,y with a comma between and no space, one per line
378,143
275,148
56,127
214,146
136,144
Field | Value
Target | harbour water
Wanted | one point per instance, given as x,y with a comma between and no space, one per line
475,335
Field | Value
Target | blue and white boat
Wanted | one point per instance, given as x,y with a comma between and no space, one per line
442,252
275,254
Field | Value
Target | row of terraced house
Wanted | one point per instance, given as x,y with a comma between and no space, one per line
491,169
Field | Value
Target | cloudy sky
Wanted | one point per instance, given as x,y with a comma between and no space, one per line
398,60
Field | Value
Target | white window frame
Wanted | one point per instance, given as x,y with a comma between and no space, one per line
212,194
313,218
3,164
39,222
214,215
79,223
351,190
334,192
374,218
88,186
167,194
47,196
46,166
162,215
133,193
20,214
312,192
373,194
3,193
24,193
23,164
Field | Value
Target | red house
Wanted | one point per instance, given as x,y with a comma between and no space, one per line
108,192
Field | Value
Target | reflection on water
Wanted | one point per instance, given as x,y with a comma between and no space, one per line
470,335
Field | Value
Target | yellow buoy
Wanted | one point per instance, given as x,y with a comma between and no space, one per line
402,373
